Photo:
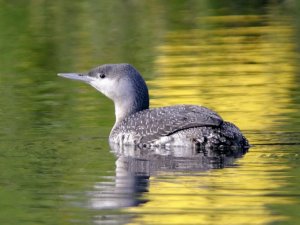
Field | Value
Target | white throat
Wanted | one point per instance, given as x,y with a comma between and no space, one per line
124,108
123,94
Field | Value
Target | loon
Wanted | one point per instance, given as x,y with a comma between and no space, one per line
137,124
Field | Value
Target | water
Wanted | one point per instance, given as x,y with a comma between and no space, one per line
240,59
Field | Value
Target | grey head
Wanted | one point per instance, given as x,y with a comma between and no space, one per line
120,82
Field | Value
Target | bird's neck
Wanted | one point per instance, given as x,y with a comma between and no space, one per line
129,105
132,97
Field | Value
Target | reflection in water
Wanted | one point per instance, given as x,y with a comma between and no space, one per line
130,181
134,167
216,196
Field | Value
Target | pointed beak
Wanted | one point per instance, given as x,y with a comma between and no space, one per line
76,76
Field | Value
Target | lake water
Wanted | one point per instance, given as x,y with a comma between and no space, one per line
240,58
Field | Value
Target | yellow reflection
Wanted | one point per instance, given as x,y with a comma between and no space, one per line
245,74
225,196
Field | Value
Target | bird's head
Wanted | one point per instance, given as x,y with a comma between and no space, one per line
120,82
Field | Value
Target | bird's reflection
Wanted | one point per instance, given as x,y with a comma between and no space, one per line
135,165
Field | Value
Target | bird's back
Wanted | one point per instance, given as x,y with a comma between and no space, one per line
152,124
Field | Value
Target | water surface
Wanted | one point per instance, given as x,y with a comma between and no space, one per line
240,59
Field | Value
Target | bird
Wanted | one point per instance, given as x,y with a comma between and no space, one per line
138,125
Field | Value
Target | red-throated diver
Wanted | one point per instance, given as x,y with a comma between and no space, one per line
178,125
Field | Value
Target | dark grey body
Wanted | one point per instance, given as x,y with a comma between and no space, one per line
186,125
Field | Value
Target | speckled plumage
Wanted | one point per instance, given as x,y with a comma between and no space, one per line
187,125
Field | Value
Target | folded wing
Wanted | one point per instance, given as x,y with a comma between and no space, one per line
154,123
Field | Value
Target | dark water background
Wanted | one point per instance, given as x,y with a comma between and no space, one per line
240,58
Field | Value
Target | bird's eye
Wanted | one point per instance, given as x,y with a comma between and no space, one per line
101,75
